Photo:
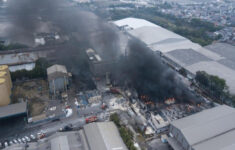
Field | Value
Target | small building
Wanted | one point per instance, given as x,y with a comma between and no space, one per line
58,78
159,124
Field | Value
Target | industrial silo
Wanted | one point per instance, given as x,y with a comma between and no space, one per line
3,75
4,95
6,69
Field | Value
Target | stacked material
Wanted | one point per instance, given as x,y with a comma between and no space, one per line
5,85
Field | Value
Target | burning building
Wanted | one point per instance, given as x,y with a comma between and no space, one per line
99,65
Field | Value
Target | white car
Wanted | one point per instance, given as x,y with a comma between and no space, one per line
32,137
24,140
5,144
19,140
15,141
27,139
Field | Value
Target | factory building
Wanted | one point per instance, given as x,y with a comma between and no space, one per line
5,85
58,78
99,66
94,136
211,129
179,52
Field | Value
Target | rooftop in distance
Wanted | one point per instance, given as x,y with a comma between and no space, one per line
216,59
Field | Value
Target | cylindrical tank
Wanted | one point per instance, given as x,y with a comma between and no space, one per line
3,75
6,69
4,96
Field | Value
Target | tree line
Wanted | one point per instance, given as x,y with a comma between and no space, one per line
215,86
125,133
39,71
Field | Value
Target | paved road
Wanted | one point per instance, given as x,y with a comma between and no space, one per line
77,120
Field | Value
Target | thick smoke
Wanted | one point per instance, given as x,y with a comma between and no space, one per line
82,29
35,16
144,70
25,17
140,68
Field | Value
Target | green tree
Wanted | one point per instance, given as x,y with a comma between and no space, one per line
202,78
115,118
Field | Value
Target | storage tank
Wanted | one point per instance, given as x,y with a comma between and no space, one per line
4,95
3,75
6,69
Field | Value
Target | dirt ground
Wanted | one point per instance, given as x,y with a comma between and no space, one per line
36,92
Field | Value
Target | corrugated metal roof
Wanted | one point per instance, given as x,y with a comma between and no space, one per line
21,58
165,41
13,109
207,125
60,143
150,35
56,68
223,142
134,23
56,71
103,136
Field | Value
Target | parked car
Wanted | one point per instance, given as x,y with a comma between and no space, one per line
15,141
23,140
27,139
5,144
19,140
32,137
69,127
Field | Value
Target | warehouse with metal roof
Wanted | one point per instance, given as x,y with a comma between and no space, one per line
216,59
103,136
13,110
210,129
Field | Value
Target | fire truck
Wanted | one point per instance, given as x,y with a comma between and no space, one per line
91,119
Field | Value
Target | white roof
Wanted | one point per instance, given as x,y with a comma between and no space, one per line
56,68
150,35
134,23
206,127
216,59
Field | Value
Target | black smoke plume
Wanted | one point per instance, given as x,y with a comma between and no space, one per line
83,30
143,69
139,68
